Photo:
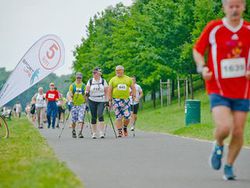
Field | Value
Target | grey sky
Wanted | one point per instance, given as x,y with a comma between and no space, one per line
22,22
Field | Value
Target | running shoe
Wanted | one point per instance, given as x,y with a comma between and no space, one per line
94,135
132,128
125,131
74,133
80,135
101,135
228,173
216,156
120,133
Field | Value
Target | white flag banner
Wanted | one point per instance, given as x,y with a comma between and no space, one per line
44,57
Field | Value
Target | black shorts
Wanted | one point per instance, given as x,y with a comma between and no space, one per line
135,108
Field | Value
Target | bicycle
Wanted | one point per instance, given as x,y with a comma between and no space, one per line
4,130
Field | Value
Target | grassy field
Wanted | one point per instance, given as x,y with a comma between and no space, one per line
27,161
171,119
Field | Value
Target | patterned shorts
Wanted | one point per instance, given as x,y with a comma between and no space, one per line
122,108
77,113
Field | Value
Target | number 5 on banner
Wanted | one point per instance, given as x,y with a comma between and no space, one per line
51,53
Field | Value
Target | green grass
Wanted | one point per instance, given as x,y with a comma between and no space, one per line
171,119
26,160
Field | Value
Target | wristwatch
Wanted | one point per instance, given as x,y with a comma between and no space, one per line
199,68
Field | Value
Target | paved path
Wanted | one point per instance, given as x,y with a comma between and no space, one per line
149,160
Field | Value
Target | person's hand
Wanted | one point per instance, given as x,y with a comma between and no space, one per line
106,104
206,74
248,74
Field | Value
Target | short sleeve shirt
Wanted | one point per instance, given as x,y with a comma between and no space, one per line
120,87
228,57
97,93
138,90
78,95
52,95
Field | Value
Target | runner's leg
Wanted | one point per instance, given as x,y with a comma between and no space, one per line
236,142
223,119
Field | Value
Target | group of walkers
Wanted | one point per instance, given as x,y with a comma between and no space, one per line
227,76
47,107
120,93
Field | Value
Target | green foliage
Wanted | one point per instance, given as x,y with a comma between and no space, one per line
152,39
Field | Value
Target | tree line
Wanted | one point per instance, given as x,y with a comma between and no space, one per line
152,39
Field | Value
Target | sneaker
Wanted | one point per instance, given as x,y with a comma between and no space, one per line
58,126
125,131
80,135
101,135
94,135
228,173
74,133
120,133
132,127
216,156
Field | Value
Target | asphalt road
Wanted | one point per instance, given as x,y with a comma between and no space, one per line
149,160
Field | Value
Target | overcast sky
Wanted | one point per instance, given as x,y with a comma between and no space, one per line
23,22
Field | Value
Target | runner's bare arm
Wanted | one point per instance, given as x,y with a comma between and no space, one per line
248,74
200,64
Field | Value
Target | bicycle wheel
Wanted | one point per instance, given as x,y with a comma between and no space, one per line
4,130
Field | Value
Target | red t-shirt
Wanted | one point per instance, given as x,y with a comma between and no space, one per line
52,95
228,58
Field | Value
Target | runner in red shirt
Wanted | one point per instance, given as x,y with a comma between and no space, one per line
52,96
227,75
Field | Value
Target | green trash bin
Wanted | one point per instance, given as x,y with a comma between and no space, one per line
192,112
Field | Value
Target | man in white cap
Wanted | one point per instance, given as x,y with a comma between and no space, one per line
119,93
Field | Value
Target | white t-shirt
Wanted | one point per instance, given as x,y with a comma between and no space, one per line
40,101
137,95
96,92
18,108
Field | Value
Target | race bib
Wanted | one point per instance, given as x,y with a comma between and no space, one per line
233,68
51,96
79,90
122,87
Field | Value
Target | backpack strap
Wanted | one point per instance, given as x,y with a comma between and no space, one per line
74,88
91,80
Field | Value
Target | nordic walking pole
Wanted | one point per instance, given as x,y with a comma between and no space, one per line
87,115
111,121
105,129
65,122
134,120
